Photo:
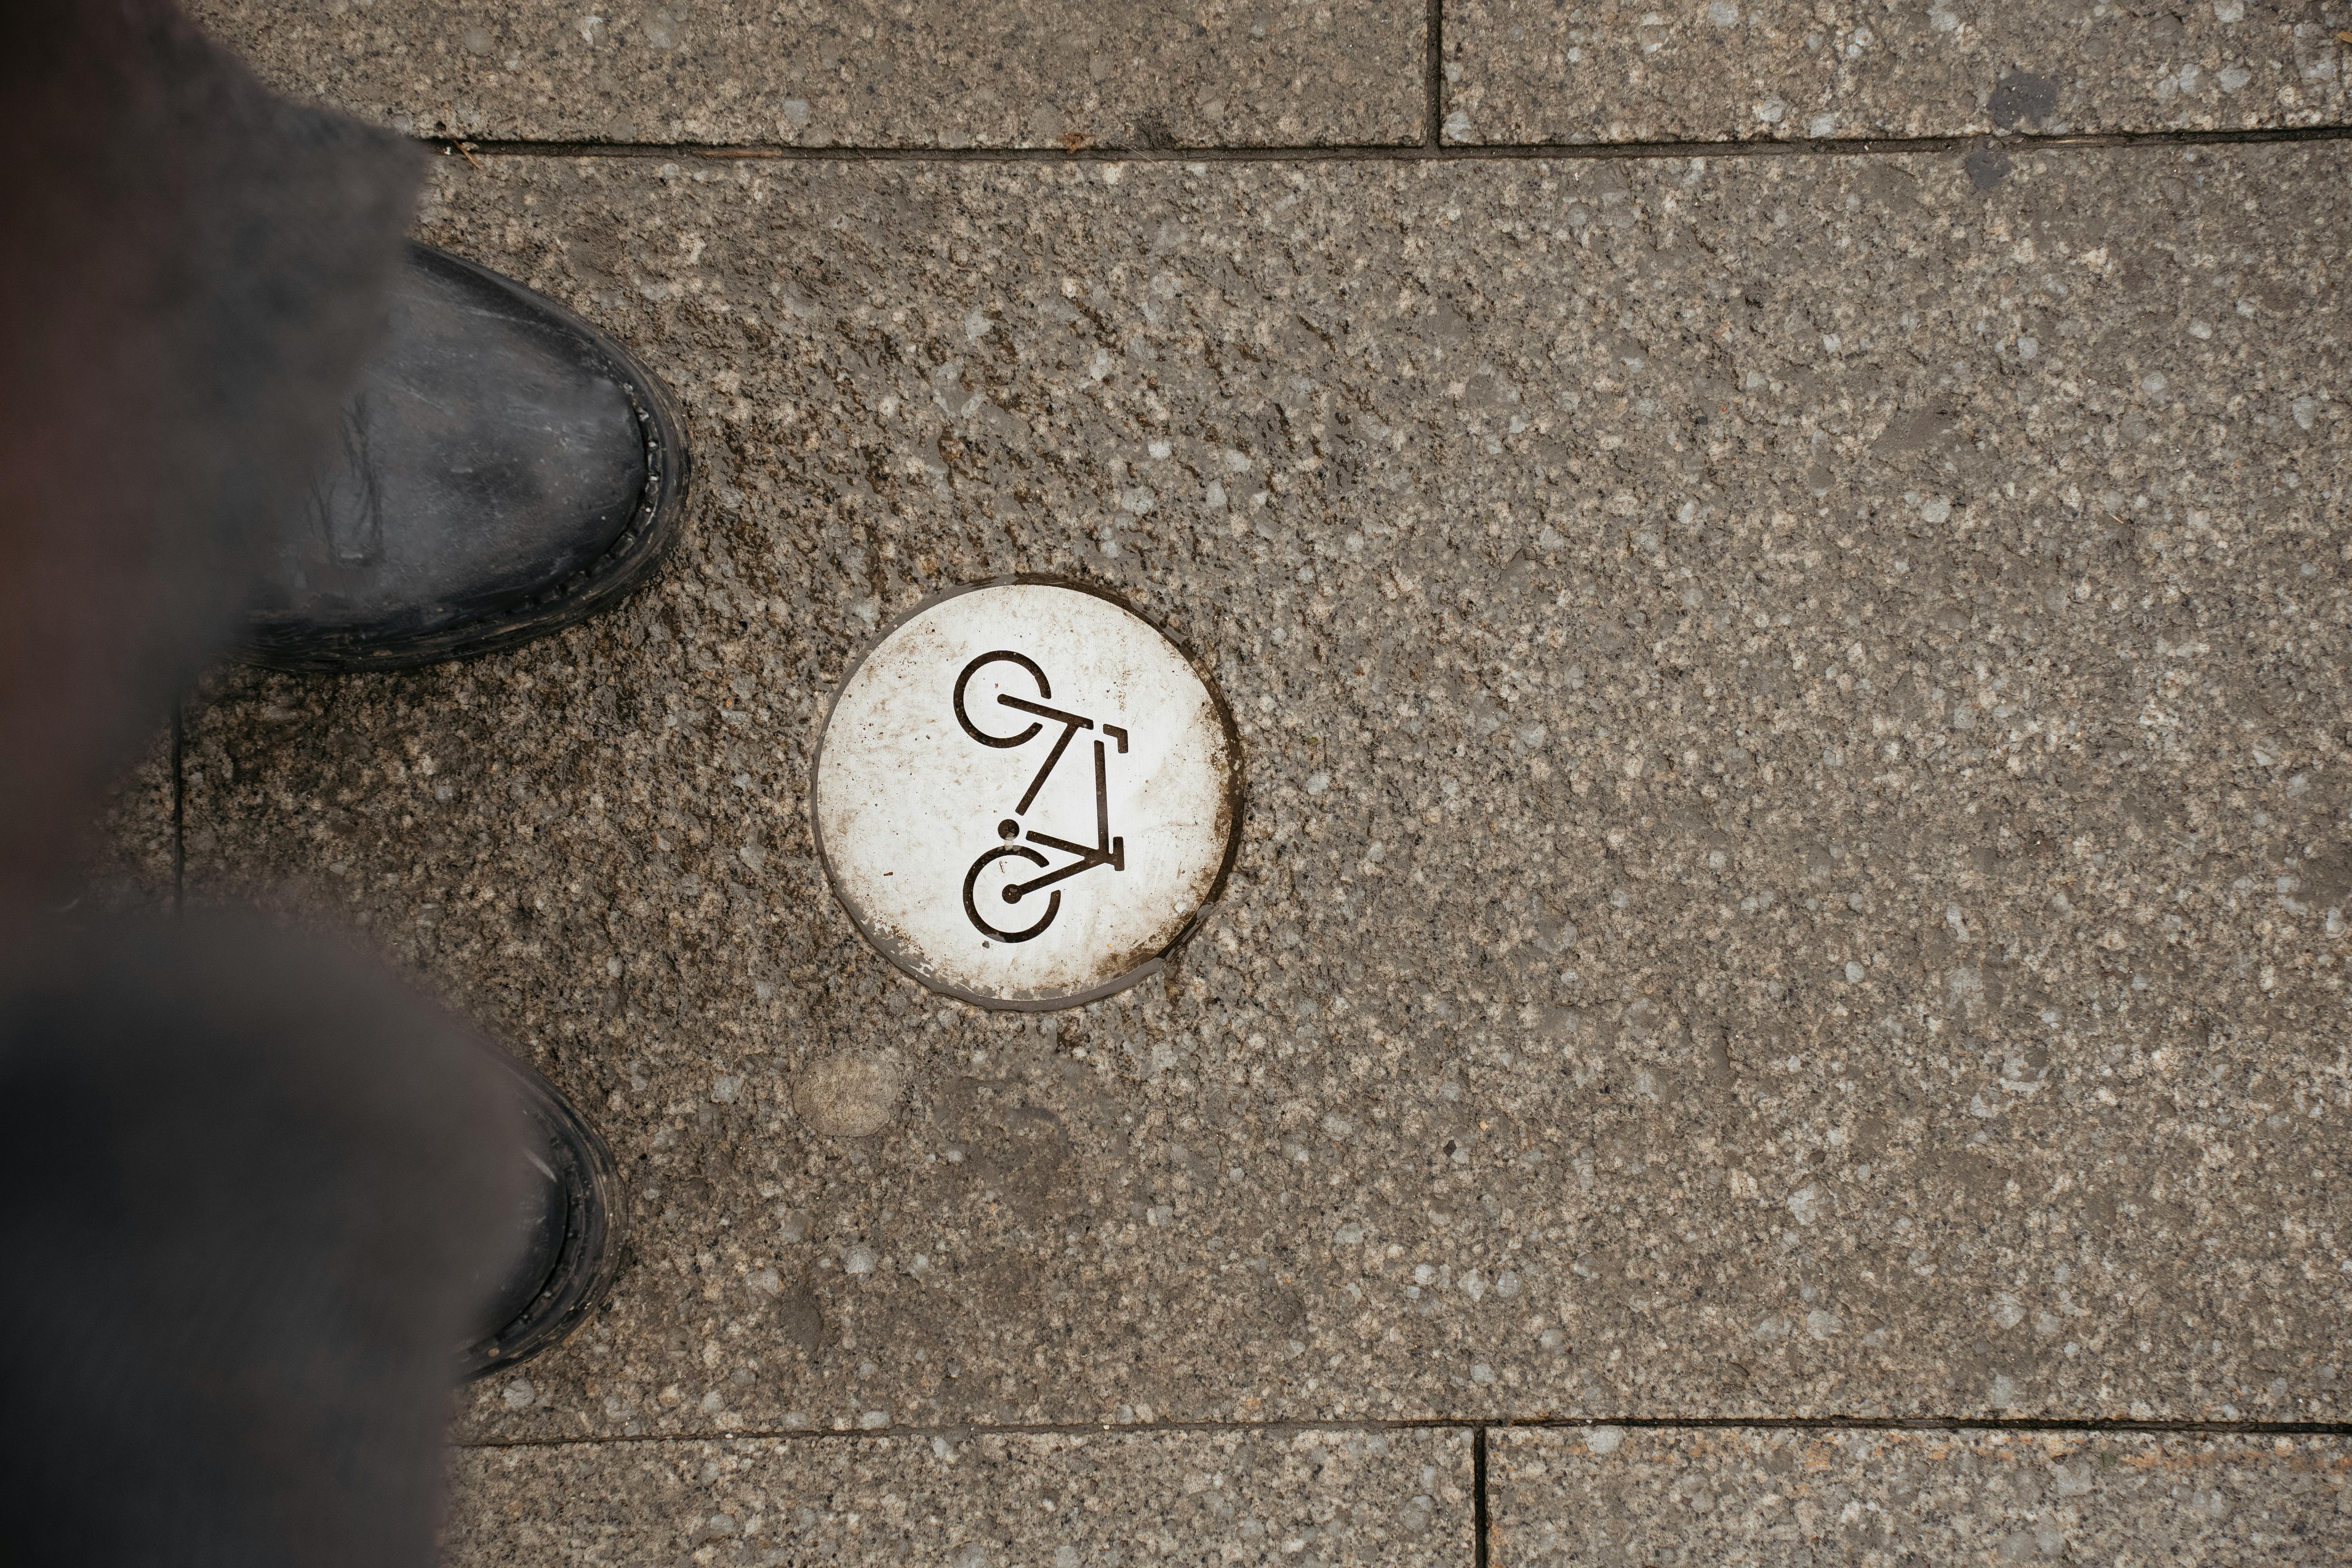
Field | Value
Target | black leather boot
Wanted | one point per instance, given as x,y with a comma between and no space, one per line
505,469
573,1221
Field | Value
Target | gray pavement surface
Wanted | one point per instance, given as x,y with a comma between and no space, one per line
1815,912
1796,850
1746,1499
824,73
1354,1499
1534,71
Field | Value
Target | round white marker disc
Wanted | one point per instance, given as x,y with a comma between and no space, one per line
1024,793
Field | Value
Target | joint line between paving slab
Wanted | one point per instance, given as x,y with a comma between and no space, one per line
1478,1426
1548,152
1478,1522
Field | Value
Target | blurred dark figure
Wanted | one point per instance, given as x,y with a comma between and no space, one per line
245,1178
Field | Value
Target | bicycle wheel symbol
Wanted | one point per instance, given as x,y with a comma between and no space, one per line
963,682
1013,891
1107,850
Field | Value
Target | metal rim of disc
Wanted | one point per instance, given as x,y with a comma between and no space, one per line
1235,801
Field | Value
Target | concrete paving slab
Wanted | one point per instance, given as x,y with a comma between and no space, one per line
1795,844
822,73
1870,1499
973,1501
1532,70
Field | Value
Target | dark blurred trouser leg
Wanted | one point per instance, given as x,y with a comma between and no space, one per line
191,272
244,1183
242,1176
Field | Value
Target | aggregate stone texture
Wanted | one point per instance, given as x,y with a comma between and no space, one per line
1598,70
1878,1499
964,1501
819,73
1795,853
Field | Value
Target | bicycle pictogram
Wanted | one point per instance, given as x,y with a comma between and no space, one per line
1107,850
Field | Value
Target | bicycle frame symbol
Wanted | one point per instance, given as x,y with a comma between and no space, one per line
1107,850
